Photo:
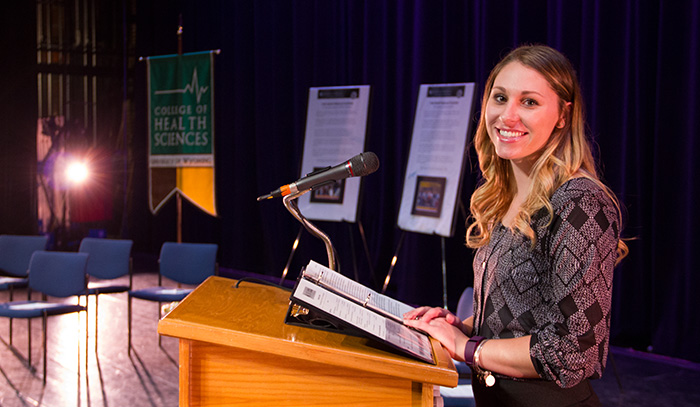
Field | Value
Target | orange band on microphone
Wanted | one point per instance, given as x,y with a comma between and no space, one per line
285,190
347,164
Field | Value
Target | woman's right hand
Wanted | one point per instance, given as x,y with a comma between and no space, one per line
435,323
427,314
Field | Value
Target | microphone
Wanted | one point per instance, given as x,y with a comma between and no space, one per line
358,166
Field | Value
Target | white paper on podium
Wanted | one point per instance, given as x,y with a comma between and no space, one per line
436,160
336,125
385,329
361,294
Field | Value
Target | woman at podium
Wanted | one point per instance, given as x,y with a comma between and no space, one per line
546,231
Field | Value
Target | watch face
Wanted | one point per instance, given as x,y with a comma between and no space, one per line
489,380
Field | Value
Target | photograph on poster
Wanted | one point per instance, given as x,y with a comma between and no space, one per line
330,193
429,195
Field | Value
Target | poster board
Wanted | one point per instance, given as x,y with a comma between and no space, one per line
436,160
336,125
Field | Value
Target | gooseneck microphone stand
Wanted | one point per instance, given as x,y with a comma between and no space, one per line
291,204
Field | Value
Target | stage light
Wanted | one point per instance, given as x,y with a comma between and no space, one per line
77,172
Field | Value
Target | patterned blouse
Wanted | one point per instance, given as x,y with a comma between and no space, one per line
560,291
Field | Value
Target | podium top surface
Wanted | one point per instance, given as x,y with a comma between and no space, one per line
251,316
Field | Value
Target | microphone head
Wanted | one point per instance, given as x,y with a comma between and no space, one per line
364,164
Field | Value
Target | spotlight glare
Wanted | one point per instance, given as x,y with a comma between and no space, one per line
77,172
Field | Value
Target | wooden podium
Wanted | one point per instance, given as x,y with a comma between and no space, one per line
235,349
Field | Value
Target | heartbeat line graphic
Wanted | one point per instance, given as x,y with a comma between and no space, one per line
193,87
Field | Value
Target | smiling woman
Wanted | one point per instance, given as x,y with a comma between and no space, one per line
521,114
547,236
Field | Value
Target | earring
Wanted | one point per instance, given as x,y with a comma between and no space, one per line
561,124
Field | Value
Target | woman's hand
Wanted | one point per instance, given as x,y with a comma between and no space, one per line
427,314
439,327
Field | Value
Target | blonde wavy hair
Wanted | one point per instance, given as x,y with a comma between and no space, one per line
567,154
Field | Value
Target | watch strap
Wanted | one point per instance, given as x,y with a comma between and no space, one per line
470,348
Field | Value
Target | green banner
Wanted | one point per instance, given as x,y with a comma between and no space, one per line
181,129
181,110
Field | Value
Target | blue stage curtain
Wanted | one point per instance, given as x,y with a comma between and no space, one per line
638,66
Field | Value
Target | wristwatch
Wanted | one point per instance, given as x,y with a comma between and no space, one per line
469,350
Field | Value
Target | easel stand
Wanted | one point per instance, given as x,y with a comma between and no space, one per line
442,252
444,267
354,253
291,255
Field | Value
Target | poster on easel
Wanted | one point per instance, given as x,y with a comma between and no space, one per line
436,160
336,126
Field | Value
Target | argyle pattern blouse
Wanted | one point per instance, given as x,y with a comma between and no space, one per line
559,291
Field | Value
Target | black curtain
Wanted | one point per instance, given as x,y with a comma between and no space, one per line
637,63
18,114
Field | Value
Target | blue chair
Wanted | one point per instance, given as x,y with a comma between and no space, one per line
183,263
55,274
465,306
464,311
15,253
108,259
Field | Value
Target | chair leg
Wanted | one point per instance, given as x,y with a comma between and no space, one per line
86,339
97,295
86,344
43,340
11,298
160,305
29,342
87,324
129,323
